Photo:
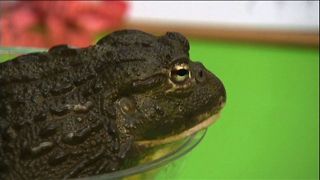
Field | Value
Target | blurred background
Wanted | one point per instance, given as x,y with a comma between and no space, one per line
45,23
265,52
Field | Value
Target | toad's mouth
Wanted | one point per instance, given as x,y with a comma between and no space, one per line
208,120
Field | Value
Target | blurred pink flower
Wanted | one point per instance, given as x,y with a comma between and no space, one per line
47,23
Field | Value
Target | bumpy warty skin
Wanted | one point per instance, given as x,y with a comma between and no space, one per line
71,113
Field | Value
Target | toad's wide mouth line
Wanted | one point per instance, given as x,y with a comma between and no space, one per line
204,124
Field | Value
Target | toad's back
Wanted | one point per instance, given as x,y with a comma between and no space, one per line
56,110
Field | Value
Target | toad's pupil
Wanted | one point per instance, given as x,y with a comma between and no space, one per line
180,75
182,72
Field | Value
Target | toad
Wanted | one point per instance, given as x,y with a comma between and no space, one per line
77,112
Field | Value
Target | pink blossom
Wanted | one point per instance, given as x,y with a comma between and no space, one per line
47,23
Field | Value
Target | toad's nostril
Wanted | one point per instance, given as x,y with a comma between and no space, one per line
200,73
200,77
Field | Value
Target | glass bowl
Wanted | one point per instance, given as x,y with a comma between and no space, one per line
164,163
160,162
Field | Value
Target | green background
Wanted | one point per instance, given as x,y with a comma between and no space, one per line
269,127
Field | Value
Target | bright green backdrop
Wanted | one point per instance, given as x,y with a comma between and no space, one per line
270,125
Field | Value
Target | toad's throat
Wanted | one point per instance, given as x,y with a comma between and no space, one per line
204,124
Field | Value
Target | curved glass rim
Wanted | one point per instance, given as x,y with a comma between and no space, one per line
176,154
15,50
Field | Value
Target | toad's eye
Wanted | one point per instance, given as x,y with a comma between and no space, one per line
180,73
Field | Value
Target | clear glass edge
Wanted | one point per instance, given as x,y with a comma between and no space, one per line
20,50
174,155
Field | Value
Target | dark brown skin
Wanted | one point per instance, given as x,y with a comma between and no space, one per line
77,112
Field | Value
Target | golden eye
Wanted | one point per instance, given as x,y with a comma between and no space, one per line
180,73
